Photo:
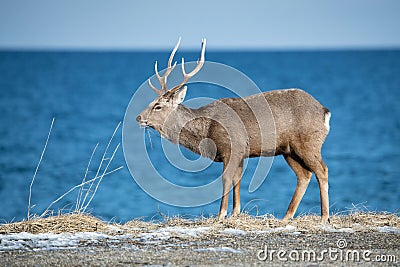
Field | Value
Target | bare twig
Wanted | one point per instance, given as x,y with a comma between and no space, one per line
79,205
37,169
77,186
101,163
78,199
99,181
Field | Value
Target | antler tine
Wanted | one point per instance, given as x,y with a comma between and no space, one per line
170,67
167,72
199,65
171,57
159,92
158,75
163,79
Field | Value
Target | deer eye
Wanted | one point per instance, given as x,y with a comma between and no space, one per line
158,107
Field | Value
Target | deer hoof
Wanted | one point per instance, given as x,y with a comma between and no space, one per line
325,221
286,219
235,214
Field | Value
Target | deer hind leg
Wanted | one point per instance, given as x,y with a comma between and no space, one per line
223,209
303,179
314,162
232,169
322,177
236,189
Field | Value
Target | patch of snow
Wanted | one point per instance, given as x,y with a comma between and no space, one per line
49,241
165,233
134,228
220,249
232,231
388,229
334,230
287,229
345,230
114,229
160,235
193,232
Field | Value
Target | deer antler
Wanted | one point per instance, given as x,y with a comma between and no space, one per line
186,76
163,79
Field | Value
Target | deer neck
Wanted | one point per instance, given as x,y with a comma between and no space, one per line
186,127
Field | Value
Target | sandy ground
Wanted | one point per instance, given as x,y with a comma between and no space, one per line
238,242
224,249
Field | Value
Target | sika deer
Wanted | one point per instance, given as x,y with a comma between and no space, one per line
240,128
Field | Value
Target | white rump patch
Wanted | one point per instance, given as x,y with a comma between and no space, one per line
327,119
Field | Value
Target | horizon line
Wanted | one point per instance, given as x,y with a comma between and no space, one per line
218,49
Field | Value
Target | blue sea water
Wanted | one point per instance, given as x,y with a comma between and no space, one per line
88,92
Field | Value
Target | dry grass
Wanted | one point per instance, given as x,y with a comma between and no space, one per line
78,222
87,188
70,223
359,221
367,219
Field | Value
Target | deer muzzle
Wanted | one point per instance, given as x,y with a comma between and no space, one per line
142,122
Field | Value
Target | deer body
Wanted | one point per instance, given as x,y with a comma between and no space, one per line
282,122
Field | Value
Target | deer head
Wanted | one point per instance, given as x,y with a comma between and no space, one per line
167,101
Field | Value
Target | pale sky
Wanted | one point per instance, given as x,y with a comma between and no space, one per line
130,24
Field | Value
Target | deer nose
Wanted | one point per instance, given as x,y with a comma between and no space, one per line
142,122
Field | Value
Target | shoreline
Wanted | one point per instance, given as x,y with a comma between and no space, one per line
84,240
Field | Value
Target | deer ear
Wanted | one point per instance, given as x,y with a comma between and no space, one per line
180,95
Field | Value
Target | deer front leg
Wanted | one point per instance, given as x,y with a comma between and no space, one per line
231,169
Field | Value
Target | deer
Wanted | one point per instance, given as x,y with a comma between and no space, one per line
229,130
